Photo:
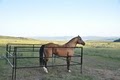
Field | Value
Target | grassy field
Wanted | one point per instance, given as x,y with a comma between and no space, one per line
101,62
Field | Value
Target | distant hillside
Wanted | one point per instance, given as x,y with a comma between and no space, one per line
62,38
86,38
11,37
97,38
22,40
118,40
59,38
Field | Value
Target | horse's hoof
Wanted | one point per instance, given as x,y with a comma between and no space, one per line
45,69
69,71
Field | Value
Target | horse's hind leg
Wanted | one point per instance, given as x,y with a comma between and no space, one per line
47,53
45,63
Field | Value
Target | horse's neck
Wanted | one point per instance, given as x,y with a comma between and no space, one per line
71,43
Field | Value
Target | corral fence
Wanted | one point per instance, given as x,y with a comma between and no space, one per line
17,56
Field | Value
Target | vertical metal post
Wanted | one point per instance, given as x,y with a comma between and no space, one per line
39,57
15,61
52,57
81,58
7,51
33,47
14,64
33,51
13,68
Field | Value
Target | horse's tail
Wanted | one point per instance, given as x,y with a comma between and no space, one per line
41,53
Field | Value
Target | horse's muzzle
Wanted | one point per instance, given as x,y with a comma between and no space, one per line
83,44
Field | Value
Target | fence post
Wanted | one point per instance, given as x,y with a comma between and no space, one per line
81,58
6,50
14,64
33,51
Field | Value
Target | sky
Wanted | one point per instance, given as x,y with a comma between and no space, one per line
23,18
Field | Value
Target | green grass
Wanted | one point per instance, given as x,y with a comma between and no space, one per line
101,61
5,70
111,53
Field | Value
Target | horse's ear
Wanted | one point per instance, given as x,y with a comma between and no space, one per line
79,36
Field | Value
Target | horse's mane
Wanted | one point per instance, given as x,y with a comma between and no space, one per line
66,44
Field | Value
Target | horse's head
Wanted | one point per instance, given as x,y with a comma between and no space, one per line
80,41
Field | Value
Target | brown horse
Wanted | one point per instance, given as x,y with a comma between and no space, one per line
66,50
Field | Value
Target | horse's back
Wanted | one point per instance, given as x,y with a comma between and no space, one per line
51,45
60,50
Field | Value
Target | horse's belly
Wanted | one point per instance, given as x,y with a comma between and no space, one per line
65,53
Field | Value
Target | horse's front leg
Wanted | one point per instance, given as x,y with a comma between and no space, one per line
68,63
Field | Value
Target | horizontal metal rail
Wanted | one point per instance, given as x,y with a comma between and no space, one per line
44,57
45,47
42,66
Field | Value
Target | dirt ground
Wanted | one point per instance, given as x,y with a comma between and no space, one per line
39,74
103,74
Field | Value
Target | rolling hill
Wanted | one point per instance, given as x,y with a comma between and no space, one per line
86,38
